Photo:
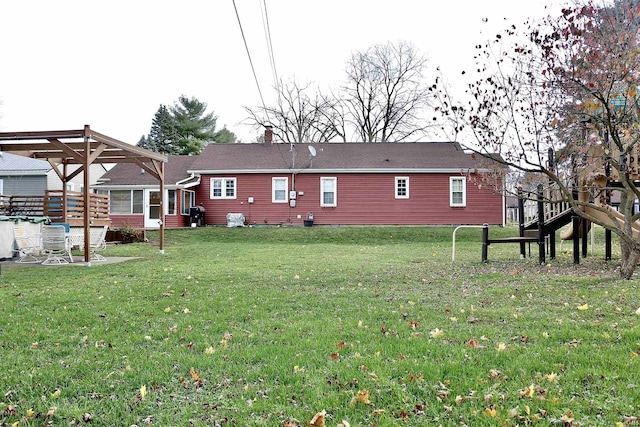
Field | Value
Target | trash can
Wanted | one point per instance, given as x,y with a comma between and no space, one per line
309,221
196,216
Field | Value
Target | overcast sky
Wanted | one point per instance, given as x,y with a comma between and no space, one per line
110,64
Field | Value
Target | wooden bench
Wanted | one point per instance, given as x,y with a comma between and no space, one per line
486,241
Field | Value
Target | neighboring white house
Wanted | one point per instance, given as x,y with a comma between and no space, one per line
77,182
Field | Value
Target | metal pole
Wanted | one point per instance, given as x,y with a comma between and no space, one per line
576,239
485,242
541,251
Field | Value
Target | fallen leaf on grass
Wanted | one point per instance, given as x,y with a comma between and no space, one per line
361,397
551,377
583,307
436,333
318,420
474,343
291,422
194,374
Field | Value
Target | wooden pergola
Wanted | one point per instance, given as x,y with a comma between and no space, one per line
84,147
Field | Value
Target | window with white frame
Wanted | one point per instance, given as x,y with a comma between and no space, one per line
188,201
223,188
126,202
457,191
328,191
279,187
171,202
402,187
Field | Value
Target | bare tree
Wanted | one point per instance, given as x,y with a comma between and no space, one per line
298,116
384,95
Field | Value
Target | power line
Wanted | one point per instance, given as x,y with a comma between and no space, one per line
249,55
272,59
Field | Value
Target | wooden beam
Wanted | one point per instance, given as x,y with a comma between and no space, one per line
135,151
21,136
64,148
96,153
152,171
54,166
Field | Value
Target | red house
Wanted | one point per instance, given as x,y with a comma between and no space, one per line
426,183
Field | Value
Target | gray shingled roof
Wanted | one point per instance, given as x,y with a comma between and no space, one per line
336,157
131,174
351,157
11,164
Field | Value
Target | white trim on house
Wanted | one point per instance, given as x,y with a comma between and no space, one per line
457,171
223,188
279,194
404,188
452,191
334,190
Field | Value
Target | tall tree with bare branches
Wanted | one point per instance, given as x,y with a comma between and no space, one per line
384,95
299,116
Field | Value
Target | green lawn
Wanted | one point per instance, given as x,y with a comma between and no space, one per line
374,325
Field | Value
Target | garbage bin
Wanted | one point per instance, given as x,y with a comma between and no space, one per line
309,221
196,216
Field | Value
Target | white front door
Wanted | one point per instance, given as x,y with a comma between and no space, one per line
152,209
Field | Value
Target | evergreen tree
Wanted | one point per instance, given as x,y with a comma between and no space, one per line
225,136
194,126
163,134
184,129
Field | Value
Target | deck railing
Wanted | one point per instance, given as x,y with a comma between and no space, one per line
553,205
51,205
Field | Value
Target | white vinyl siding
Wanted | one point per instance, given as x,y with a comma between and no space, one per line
402,187
279,187
457,191
329,192
223,188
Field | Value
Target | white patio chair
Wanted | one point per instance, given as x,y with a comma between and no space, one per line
97,242
28,244
55,244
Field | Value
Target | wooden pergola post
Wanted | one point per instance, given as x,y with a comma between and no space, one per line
87,200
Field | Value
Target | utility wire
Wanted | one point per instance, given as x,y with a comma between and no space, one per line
249,55
272,59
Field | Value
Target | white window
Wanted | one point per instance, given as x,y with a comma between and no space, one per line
223,188
457,191
279,187
1,186
125,202
402,187
188,201
329,192
171,202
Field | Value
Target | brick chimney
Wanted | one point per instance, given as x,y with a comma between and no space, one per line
268,136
